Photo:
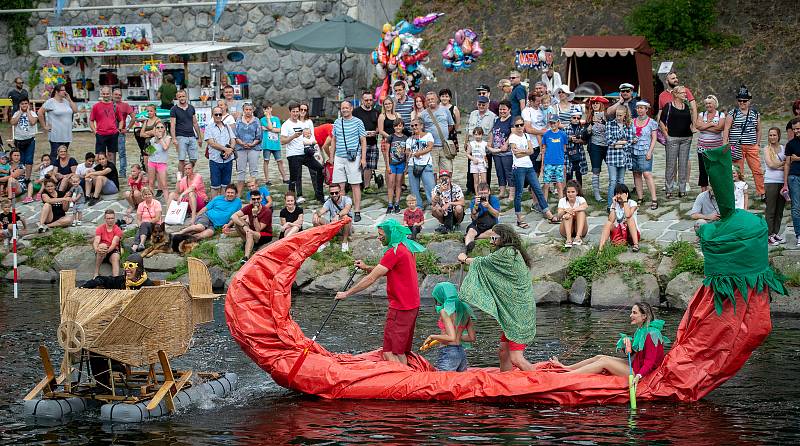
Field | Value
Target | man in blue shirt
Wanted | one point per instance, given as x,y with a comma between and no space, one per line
518,94
484,212
216,214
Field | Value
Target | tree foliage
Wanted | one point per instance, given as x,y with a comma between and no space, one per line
675,24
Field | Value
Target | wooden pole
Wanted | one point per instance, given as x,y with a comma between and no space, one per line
14,248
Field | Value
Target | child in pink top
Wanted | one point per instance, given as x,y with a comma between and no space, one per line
136,183
148,214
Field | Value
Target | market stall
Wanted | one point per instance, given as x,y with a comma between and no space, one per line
125,57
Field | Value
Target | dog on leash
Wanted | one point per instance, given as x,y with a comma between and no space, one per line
159,241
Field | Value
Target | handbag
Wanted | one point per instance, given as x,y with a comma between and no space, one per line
448,147
351,156
660,136
418,170
328,172
176,212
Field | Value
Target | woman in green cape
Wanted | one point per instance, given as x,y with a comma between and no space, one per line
456,324
500,285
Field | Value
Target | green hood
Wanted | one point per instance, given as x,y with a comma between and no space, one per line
446,295
396,233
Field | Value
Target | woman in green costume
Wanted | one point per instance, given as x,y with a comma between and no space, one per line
456,324
647,346
500,285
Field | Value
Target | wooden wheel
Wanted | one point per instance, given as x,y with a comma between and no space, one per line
71,336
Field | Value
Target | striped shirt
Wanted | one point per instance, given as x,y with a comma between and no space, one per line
619,156
707,139
404,110
743,129
348,133
565,115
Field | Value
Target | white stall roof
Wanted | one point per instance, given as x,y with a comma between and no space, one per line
165,49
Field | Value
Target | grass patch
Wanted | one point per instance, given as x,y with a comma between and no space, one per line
129,233
792,277
426,238
428,263
181,269
332,259
685,258
594,264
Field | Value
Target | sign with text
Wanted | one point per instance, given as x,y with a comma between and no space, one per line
100,38
535,59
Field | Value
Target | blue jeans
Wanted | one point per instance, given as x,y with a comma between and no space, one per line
452,358
520,175
616,175
123,157
502,167
794,193
220,173
427,180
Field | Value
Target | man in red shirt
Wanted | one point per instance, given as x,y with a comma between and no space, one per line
253,222
123,110
666,95
104,122
399,266
106,243
323,133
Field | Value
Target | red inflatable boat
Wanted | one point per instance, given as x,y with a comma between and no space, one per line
708,350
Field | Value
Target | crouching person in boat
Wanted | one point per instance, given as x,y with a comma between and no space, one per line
500,285
647,346
135,276
399,266
456,323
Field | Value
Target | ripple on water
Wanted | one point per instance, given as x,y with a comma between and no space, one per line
758,406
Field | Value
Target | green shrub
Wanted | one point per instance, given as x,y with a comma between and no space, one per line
428,263
675,24
685,258
593,264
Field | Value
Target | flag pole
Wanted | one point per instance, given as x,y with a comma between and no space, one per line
14,248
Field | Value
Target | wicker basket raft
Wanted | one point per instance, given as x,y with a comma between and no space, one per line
129,329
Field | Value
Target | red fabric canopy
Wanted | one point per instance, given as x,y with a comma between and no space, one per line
709,349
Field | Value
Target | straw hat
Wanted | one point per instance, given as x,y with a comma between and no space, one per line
565,90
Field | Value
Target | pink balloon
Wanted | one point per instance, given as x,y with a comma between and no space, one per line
460,36
477,51
448,50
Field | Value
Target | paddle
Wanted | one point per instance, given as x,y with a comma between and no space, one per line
303,355
631,386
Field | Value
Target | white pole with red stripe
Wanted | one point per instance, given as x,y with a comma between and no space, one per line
14,247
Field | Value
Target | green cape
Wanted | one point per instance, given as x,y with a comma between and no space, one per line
500,285
396,233
735,246
653,329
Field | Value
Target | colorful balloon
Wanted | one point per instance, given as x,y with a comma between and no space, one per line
461,51
398,55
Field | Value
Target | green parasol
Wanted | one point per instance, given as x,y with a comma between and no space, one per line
735,246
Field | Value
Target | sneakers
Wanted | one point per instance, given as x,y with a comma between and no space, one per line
243,261
322,247
442,229
75,223
42,228
389,209
301,200
27,200
345,247
356,218
79,223
773,241
397,208
779,239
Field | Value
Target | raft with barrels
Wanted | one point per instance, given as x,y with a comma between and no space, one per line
708,350
117,350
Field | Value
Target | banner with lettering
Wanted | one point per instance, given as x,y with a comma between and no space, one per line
534,59
100,38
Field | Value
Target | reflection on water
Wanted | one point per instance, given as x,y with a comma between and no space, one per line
758,406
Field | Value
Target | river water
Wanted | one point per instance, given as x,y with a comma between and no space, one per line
759,406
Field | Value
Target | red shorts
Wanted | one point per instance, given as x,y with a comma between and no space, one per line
620,235
398,334
513,346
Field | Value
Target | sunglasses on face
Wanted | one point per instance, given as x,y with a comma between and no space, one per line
519,125
334,194
217,114
130,265
414,125
743,101
255,199
625,91
513,77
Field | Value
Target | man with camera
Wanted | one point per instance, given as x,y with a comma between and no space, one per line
350,153
448,203
484,212
219,138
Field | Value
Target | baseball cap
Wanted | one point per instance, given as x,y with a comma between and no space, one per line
553,118
483,99
444,172
482,87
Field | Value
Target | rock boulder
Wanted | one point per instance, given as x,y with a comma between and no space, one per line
81,259
681,289
163,262
615,291
788,305
547,292
306,273
447,251
32,275
578,294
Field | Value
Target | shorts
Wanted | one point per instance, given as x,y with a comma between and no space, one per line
107,258
205,221
553,173
77,207
220,173
345,171
477,168
276,154
26,149
109,188
482,224
452,358
372,157
513,346
641,163
398,334
187,148
397,169
199,200
158,167
264,238
106,143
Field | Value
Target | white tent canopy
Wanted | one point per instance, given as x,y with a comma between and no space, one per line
164,49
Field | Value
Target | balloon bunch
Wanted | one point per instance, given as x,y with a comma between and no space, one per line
398,55
461,50
52,75
152,68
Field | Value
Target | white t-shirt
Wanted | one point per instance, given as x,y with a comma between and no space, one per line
620,212
537,119
414,145
739,189
478,150
564,203
295,146
521,142
82,169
